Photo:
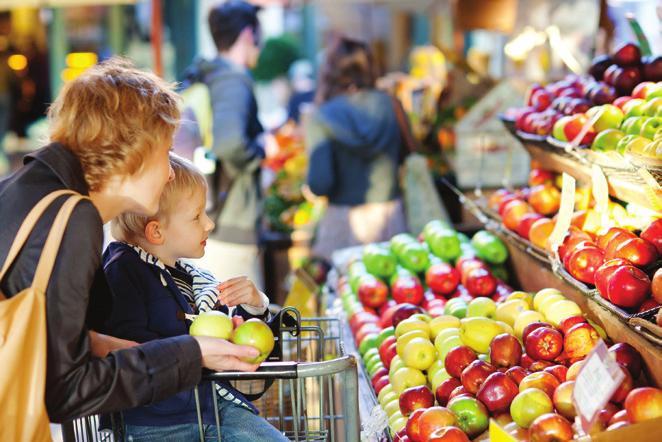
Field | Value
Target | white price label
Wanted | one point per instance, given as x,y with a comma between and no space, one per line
564,216
596,382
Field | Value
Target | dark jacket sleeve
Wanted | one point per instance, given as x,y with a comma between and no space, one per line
129,318
79,384
232,106
321,176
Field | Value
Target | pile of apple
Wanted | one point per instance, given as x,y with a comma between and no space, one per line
515,360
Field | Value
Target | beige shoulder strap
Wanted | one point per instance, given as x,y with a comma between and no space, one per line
49,252
27,226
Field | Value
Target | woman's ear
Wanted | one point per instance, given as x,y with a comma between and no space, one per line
154,233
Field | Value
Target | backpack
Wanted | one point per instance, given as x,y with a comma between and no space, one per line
194,140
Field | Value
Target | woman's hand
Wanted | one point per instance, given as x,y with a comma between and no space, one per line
221,355
102,344
239,290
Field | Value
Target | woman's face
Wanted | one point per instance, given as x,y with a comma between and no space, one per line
144,188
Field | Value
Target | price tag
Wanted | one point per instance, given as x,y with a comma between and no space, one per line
498,434
596,382
600,190
564,216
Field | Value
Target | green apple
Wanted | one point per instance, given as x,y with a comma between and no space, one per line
400,271
611,117
368,342
407,377
414,257
396,364
637,145
399,241
447,345
392,407
385,333
403,340
607,140
481,307
477,333
389,396
632,125
472,415
419,353
437,365
444,243
634,108
621,146
528,405
438,377
650,127
457,308
379,261
383,393
653,107
558,128
213,323
257,334
654,92
448,332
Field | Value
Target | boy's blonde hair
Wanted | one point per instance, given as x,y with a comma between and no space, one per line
112,117
128,227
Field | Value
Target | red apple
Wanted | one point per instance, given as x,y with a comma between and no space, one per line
620,101
643,403
542,380
617,425
442,278
648,304
404,311
567,323
583,262
357,320
525,224
513,212
545,199
559,371
604,272
480,282
388,352
444,390
656,286
550,427
378,374
505,201
517,374
540,365
434,418
562,399
381,383
497,392
458,359
605,415
414,398
638,251
526,361
540,176
619,416
365,330
386,316
496,198
475,374
448,434
407,289
628,356
413,428
530,327
615,241
544,343
579,341
459,391
505,351
642,89
627,384
574,237
628,286
653,233
627,54
372,291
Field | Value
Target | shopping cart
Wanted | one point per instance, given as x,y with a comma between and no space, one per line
313,396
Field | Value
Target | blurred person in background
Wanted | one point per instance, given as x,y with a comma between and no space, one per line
356,148
238,140
303,88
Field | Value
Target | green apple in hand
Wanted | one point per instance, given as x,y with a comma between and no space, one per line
214,324
257,334
607,140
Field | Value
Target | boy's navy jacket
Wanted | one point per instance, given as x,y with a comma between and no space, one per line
147,305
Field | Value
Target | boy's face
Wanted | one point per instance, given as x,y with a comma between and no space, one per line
187,228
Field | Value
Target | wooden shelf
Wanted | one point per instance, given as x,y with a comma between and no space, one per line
626,187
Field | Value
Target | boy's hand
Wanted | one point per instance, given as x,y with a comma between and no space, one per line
239,290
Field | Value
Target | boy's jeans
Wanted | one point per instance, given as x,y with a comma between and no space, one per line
238,424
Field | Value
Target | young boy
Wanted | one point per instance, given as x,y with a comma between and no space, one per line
153,291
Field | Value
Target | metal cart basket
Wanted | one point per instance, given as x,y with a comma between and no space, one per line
314,396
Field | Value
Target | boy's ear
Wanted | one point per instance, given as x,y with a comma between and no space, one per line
154,233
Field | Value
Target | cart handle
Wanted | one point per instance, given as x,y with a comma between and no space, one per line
285,370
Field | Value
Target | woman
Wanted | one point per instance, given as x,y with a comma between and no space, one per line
110,131
356,147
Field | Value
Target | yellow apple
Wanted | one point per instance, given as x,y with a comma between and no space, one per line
396,364
396,425
561,310
510,310
477,333
391,407
439,377
542,295
407,377
419,353
443,347
403,340
505,327
481,307
384,393
422,316
528,297
443,322
544,305
447,332
410,324
526,318
435,367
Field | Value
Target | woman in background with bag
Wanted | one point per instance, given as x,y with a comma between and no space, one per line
110,130
356,147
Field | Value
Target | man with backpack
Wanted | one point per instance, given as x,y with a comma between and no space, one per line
230,129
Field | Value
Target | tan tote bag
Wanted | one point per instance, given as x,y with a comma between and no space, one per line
23,333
